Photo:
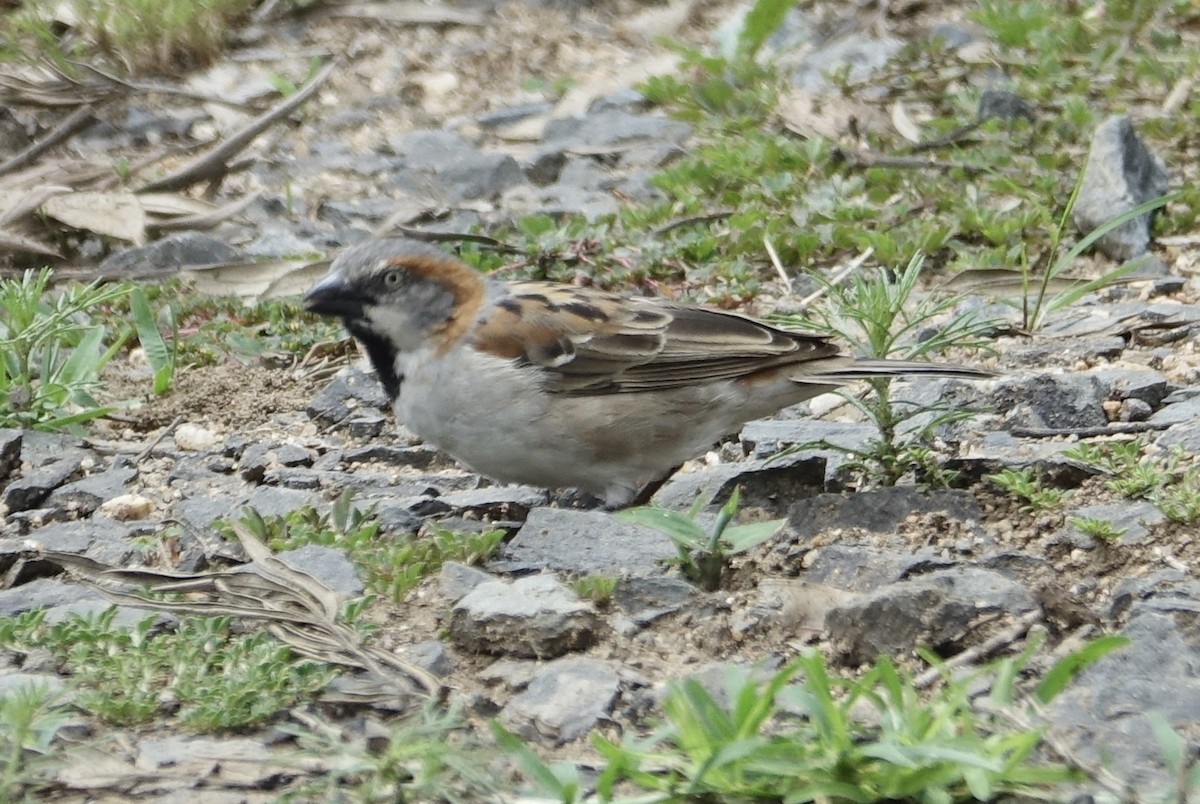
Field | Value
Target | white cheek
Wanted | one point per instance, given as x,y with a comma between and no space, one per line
396,324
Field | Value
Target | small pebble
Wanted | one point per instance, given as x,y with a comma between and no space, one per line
194,438
127,507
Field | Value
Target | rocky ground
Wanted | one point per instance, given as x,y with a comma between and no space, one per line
427,126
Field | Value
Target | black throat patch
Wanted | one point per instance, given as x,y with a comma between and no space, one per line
382,355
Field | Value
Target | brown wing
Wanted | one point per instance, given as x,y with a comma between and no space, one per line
592,342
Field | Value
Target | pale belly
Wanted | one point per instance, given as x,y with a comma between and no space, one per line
507,428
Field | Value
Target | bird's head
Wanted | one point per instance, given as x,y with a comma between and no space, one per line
397,296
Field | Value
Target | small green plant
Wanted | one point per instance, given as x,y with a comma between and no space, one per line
429,756
704,554
390,566
1180,501
211,678
805,735
136,36
30,717
596,588
882,317
1027,486
52,350
160,355
1101,530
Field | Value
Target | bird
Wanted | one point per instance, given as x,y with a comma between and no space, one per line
560,386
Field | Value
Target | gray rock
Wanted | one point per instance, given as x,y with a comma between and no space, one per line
1184,412
419,457
771,484
496,502
1000,104
1134,410
43,593
531,617
588,542
879,510
936,610
15,683
444,165
1185,436
124,618
395,519
610,127
1102,716
351,389
98,538
647,599
1133,517
10,451
861,569
32,489
1121,173
430,656
84,496
1052,400
365,424
1143,385
499,118
999,451
457,579
766,437
293,455
166,256
328,565
564,701
859,54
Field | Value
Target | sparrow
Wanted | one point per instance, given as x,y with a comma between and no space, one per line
560,386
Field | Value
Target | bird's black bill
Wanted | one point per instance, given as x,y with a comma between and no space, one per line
332,297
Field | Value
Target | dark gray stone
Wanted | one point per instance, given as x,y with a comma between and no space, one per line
533,617
395,519
860,569
499,118
328,565
1132,516
1134,410
610,127
293,455
10,451
999,450
84,496
588,543
1183,412
1101,716
351,389
1185,436
419,457
496,502
1121,173
937,610
771,484
444,165
564,701
879,510
166,256
647,599
858,54
1052,400
458,579
32,489
1143,385
102,539
1000,104
15,683
43,593
430,656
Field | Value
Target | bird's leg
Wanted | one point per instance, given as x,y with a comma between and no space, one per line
648,491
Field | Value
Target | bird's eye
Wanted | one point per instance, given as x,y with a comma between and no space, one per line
392,279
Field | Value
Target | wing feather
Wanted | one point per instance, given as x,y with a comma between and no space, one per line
591,342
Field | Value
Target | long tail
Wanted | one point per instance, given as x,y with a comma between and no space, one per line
871,369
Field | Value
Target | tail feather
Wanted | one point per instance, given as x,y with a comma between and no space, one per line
874,369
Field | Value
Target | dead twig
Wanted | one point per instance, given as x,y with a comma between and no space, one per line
1116,428
216,163
981,651
144,453
837,279
855,159
708,217
68,127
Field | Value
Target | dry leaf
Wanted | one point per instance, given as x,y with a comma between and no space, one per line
118,214
258,280
904,124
